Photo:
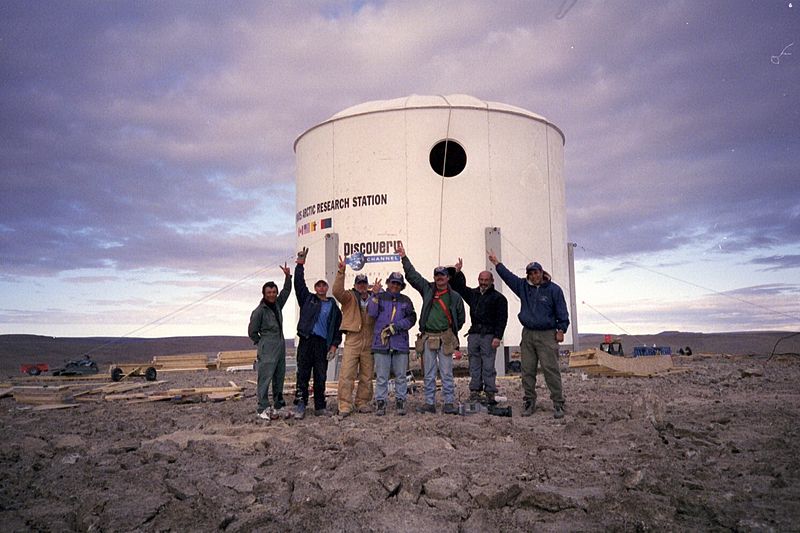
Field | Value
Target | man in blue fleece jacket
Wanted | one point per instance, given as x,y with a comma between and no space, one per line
544,317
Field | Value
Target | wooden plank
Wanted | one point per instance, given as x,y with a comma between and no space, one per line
222,396
188,369
181,360
239,368
42,394
59,379
235,358
48,407
599,362
174,393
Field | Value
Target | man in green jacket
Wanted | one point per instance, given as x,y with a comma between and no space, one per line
266,330
441,318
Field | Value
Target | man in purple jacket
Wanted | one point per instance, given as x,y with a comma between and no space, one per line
394,315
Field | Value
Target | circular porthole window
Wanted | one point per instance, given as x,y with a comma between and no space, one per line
448,158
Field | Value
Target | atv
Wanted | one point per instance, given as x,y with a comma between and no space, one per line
77,368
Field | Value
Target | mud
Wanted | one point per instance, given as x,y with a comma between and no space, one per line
715,448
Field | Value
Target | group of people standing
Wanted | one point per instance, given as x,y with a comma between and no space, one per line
376,323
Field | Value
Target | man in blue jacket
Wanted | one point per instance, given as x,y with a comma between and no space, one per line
544,317
318,329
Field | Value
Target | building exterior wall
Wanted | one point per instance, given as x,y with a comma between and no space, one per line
367,177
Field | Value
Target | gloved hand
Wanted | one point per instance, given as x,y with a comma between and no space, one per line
385,334
331,353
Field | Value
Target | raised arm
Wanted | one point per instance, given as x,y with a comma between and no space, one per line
459,283
513,282
339,292
287,286
301,292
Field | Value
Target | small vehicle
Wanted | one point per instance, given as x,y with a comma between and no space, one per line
34,369
79,367
612,346
133,370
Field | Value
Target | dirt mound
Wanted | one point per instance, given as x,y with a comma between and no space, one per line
713,448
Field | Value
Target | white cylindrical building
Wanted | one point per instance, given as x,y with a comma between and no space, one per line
449,176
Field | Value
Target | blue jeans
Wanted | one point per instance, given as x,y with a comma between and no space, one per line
397,362
481,363
436,359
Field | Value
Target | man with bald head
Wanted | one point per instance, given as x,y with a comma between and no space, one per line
488,312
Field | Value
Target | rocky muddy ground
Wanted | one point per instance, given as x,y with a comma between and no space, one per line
715,448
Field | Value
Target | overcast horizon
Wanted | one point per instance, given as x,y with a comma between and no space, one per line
147,170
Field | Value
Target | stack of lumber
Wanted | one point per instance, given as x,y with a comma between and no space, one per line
200,394
38,395
239,358
177,363
598,362
100,393
60,379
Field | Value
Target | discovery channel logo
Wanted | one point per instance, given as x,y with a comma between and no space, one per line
357,260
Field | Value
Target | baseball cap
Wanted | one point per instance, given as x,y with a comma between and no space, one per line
533,266
440,270
396,277
361,278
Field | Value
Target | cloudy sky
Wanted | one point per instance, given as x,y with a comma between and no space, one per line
147,172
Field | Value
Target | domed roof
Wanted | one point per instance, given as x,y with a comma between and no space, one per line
417,101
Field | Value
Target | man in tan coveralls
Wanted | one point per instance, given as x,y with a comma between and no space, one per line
357,355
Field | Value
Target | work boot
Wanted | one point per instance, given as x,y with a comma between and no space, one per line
450,409
558,411
527,408
474,396
322,412
300,410
400,407
490,399
427,408
380,410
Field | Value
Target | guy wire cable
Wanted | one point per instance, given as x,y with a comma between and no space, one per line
590,306
191,305
697,285
666,276
778,342
444,167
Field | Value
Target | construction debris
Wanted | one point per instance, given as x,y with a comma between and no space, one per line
183,362
243,359
183,395
41,395
598,362
240,368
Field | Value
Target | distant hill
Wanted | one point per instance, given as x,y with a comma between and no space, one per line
16,349
736,343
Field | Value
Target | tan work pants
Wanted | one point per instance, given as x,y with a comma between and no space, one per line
356,361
